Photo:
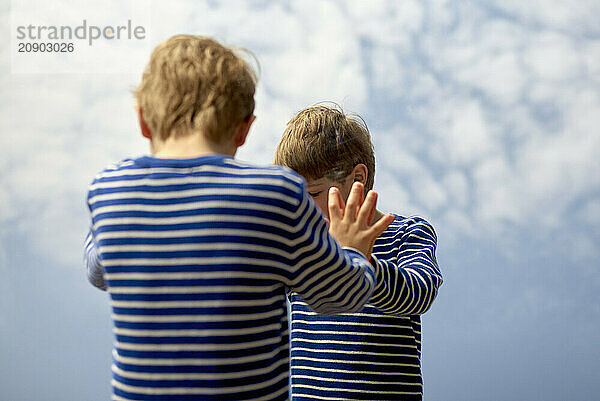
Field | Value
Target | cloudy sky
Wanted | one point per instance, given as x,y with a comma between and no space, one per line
485,121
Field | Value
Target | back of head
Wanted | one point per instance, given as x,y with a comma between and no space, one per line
193,83
322,141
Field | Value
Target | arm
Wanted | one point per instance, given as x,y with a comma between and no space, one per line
408,285
93,264
331,278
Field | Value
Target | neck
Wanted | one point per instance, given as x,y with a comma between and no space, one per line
189,146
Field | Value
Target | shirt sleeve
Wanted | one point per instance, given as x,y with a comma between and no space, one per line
329,278
92,262
409,284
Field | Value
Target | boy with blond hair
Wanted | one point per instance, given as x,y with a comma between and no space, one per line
375,353
198,249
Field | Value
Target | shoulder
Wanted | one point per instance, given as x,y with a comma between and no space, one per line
413,226
277,175
116,169
266,169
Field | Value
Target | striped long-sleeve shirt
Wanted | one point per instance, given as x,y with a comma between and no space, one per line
197,256
374,354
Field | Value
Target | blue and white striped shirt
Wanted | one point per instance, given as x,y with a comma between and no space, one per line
197,256
373,354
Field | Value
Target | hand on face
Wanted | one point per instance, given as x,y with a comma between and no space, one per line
352,224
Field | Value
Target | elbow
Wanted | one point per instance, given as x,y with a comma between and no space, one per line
406,303
97,282
428,299
96,277
428,294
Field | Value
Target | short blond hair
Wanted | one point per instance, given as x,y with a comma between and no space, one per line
193,83
322,141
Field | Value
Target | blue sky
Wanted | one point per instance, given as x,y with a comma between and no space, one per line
485,121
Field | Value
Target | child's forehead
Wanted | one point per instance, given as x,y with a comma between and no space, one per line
318,181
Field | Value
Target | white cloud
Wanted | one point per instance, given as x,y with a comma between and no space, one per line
457,185
589,213
489,120
429,193
394,196
463,134
551,56
498,199
388,71
482,54
395,24
452,222
485,121
573,17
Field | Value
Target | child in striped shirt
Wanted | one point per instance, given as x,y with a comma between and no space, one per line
198,249
373,354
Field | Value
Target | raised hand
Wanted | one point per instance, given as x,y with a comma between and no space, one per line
351,224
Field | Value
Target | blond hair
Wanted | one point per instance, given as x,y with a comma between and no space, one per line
193,83
322,141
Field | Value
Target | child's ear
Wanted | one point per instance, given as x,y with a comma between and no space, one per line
143,126
360,173
242,131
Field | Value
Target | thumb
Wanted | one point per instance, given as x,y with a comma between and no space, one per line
381,225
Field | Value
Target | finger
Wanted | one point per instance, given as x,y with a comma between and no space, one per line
354,201
367,210
361,200
381,225
371,217
335,204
